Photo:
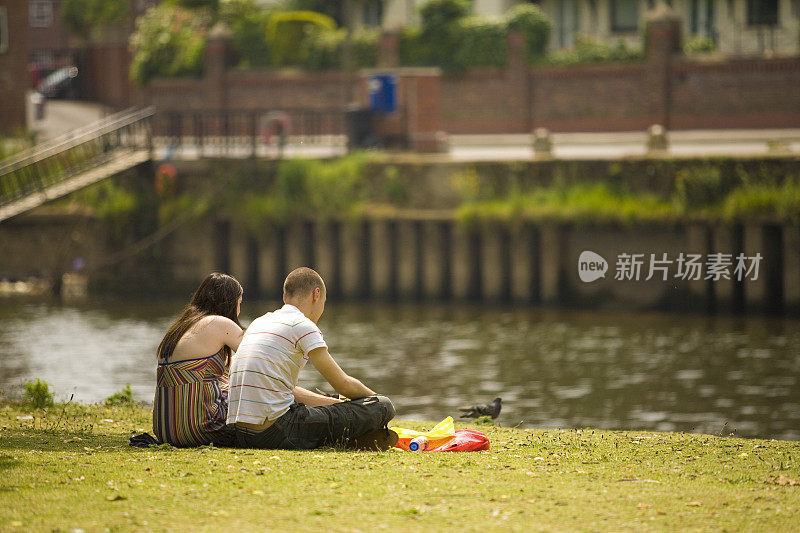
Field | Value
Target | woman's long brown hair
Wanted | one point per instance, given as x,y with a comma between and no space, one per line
218,294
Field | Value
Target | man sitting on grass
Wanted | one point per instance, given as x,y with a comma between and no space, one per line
265,404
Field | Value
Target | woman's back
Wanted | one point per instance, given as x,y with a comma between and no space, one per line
204,337
191,401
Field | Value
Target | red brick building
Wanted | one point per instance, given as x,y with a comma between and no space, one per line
13,64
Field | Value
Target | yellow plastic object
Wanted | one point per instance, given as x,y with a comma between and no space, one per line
440,434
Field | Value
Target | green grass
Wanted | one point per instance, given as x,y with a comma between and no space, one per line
70,467
763,201
701,196
581,202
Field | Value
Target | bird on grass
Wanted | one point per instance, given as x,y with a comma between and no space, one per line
477,411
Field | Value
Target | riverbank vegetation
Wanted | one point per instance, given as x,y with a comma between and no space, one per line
707,192
70,467
369,184
606,203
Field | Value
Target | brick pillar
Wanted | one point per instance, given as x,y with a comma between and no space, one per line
416,121
14,77
389,50
663,43
517,74
217,59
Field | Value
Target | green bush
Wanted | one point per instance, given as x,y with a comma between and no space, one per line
764,200
169,41
482,43
440,15
699,186
37,393
325,49
589,50
450,39
196,4
121,397
248,23
84,17
413,50
580,202
442,33
335,10
287,31
454,41
308,189
698,44
530,21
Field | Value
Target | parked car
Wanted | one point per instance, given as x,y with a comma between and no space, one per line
60,83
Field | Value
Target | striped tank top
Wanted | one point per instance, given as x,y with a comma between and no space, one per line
191,402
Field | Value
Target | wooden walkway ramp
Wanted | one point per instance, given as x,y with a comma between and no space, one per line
65,164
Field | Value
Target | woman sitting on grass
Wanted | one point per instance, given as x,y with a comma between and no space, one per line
191,401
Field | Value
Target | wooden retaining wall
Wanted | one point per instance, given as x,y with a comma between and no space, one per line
438,259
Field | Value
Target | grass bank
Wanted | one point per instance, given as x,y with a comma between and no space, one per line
70,467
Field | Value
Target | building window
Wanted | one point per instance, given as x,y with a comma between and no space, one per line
41,13
372,13
3,30
624,15
762,12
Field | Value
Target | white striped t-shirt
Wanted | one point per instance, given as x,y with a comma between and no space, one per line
265,368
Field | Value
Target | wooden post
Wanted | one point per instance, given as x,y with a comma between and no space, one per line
381,240
524,266
408,260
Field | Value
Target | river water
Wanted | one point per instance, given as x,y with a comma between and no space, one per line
719,375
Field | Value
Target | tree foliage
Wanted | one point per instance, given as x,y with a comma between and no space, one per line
248,23
530,21
169,41
590,50
84,17
448,37
286,32
324,50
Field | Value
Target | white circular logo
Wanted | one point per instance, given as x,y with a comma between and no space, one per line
591,266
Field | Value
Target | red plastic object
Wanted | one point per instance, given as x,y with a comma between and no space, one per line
465,440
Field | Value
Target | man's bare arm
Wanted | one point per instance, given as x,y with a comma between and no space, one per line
312,399
345,385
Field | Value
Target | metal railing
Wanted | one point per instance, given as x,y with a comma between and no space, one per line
243,133
57,160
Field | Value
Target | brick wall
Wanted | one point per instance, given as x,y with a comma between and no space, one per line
259,90
762,93
587,98
52,37
240,90
665,88
14,78
590,98
104,75
755,93
482,101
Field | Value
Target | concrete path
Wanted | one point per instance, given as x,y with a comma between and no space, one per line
62,116
615,145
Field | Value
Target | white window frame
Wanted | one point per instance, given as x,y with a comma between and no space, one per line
41,13
3,30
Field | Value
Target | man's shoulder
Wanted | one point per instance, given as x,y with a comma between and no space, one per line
292,317
284,319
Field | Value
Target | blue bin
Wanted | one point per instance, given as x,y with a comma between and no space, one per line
382,93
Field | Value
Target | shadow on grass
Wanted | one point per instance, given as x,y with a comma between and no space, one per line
8,461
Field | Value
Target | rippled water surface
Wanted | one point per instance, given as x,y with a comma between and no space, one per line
564,369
